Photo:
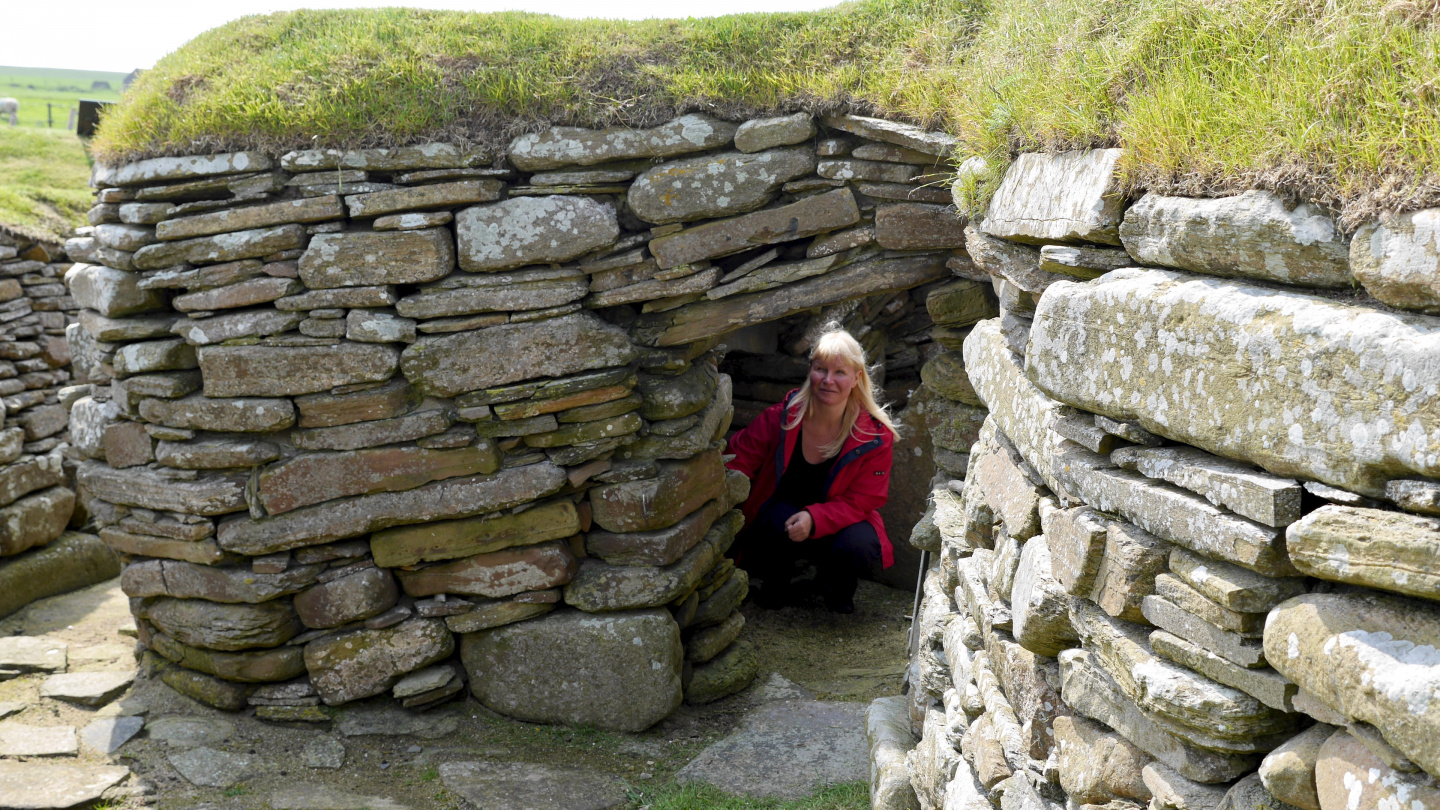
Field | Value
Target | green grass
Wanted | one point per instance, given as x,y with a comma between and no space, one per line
44,182
696,796
1334,101
34,87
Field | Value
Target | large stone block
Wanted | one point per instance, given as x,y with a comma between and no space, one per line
918,226
1392,551
1229,376
681,487
1253,235
277,371
308,209
447,365
599,586
1369,657
217,626
445,540
715,185
1398,259
225,247
1066,197
315,477
1349,776
532,230
371,258
496,574
618,671
1039,604
824,212
362,663
185,580
1096,764
572,146
237,414
110,292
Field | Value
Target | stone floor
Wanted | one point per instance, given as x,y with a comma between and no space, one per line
78,723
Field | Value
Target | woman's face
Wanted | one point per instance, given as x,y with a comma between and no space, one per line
832,380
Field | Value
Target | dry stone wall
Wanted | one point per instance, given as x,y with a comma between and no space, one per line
38,557
390,421
1191,562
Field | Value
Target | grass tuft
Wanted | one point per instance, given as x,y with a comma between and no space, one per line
1330,100
44,182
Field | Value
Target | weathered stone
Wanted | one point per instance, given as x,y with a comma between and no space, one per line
571,146
87,688
311,209
496,614
381,296
1414,495
381,402
217,626
239,415
1082,262
532,230
906,135
1066,197
240,371
1233,647
945,375
1097,765
527,786
215,453
1254,235
715,185
28,474
231,325
370,258
358,435
1191,600
1040,606
887,729
204,552
1011,495
41,422
391,159
708,642
918,226
656,503
848,169
225,247
181,168
764,133
1173,791
241,294
1396,259
351,517
657,547
71,562
496,574
446,540
953,426
107,734
1349,775
571,667
812,215
104,328
1367,656
365,593
185,580
1265,685
110,292
716,606
1387,550
361,663
1248,492
598,586
316,477
510,295
35,519
724,675
1288,772
432,195
142,487
960,303
446,365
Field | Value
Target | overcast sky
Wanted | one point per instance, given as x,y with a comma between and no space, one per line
121,35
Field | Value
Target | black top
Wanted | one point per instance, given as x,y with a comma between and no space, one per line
803,483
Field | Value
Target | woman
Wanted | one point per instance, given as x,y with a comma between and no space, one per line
819,468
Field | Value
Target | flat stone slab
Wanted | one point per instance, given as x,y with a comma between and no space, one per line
179,731
21,740
784,749
390,720
87,688
20,654
320,797
207,767
528,786
107,734
28,786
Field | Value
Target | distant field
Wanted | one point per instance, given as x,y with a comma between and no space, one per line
34,87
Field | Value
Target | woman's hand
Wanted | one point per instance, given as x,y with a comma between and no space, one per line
799,526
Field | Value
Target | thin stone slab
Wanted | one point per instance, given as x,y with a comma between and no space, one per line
226,247
24,654
312,209
918,226
151,490
443,540
107,734
598,586
765,133
572,146
187,167
1264,684
1252,235
207,767
1233,647
377,296
531,786
369,433
33,786
324,797
389,159
907,135
87,688
532,230
1391,551
136,327
71,562
20,740
264,371
316,477
110,292
362,663
186,580
373,258
1247,492
232,325
417,198
1066,197
496,574
438,302
812,215
785,749
230,414
1232,586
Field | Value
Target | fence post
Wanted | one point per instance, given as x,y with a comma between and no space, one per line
49,119
70,127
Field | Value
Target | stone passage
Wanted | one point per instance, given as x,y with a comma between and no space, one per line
37,490
392,420
1191,561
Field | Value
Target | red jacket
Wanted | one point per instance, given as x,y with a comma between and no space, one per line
858,484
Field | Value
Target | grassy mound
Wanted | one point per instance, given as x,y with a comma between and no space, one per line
44,182
1334,101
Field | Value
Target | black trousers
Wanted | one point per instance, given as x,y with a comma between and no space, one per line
766,551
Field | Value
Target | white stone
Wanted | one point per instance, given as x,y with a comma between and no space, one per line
1066,197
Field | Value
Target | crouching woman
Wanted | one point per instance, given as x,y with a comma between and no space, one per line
819,469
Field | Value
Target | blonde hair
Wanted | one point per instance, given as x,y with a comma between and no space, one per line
837,344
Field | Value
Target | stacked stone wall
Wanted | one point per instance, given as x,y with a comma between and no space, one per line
1193,561
390,421
38,557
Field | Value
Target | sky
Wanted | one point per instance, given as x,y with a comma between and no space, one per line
121,36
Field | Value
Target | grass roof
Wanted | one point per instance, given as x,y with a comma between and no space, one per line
1334,100
44,183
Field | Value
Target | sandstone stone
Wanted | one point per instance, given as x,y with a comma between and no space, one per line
945,375
225,247
446,365
182,168
572,146
380,402
765,133
315,477
1264,684
1387,550
824,212
1396,259
35,519
1082,262
71,562
1369,657
532,230
722,676
1254,235
358,435
185,580
887,730
351,517
87,688
906,135
1066,197
204,552
593,669
379,296
511,293
311,209
107,734
657,547
264,666
1414,495
104,328
717,606
432,195
154,355
1348,774
1011,495
361,663
370,258
1191,600
657,503
1233,647
598,586
241,371
1288,772
1097,765
918,226
496,574
495,614
1172,790
231,325
239,414
233,296
365,593
151,490
715,185
708,642
960,303
1039,604
1238,487
110,292
217,626
35,786
27,474
407,545
391,159
215,453
1076,538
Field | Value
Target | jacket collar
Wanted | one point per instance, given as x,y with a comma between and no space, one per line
866,437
